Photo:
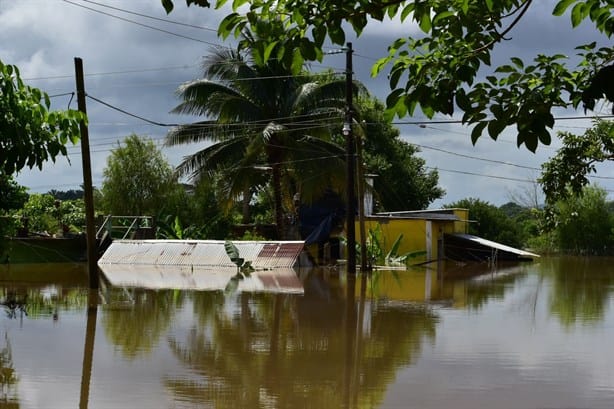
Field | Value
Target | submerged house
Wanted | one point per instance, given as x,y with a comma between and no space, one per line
439,234
422,231
430,234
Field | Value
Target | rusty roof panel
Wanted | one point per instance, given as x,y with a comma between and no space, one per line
263,255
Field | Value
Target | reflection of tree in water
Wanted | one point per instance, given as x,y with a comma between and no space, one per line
44,302
135,326
14,305
283,351
581,288
489,287
8,377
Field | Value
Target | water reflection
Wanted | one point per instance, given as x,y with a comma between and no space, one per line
431,336
274,350
34,292
137,319
458,285
581,288
8,377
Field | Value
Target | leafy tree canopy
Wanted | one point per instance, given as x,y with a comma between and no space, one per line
584,224
30,134
71,194
438,71
138,180
566,173
261,117
12,195
490,222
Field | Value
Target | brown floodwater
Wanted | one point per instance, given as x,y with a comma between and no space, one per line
531,335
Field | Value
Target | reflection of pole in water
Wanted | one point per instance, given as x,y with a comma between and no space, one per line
88,350
350,334
359,335
274,344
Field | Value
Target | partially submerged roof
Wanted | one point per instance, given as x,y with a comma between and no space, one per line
470,247
211,253
201,265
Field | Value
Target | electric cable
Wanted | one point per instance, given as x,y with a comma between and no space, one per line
142,25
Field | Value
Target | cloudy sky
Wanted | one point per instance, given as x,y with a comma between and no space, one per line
135,57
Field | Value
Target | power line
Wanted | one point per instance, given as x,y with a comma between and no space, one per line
141,24
96,74
151,17
128,113
474,157
320,125
314,119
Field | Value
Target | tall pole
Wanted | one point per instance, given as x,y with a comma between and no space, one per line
361,206
350,160
90,228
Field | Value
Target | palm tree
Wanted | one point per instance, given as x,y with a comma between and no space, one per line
261,117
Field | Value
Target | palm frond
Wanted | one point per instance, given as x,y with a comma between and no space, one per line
201,97
222,64
271,129
197,132
212,158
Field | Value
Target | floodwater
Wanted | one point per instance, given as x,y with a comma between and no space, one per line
531,335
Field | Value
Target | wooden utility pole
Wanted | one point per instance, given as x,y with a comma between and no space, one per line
350,158
88,194
364,265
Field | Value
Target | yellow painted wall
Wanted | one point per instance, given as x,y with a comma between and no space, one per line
415,232
461,226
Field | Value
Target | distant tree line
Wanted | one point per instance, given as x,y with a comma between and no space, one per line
584,224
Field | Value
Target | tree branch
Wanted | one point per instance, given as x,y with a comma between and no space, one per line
501,36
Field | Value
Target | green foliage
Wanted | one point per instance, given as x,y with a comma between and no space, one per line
543,243
566,173
30,134
490,222
46,214
72,214
138,180
583,223
244,268
527,219
252,235
172,229
71,194
196,212
261,129
12,196
42,214
440,68
376,250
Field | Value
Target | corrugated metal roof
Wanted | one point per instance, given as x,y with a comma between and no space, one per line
443,214
495,245
263,255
